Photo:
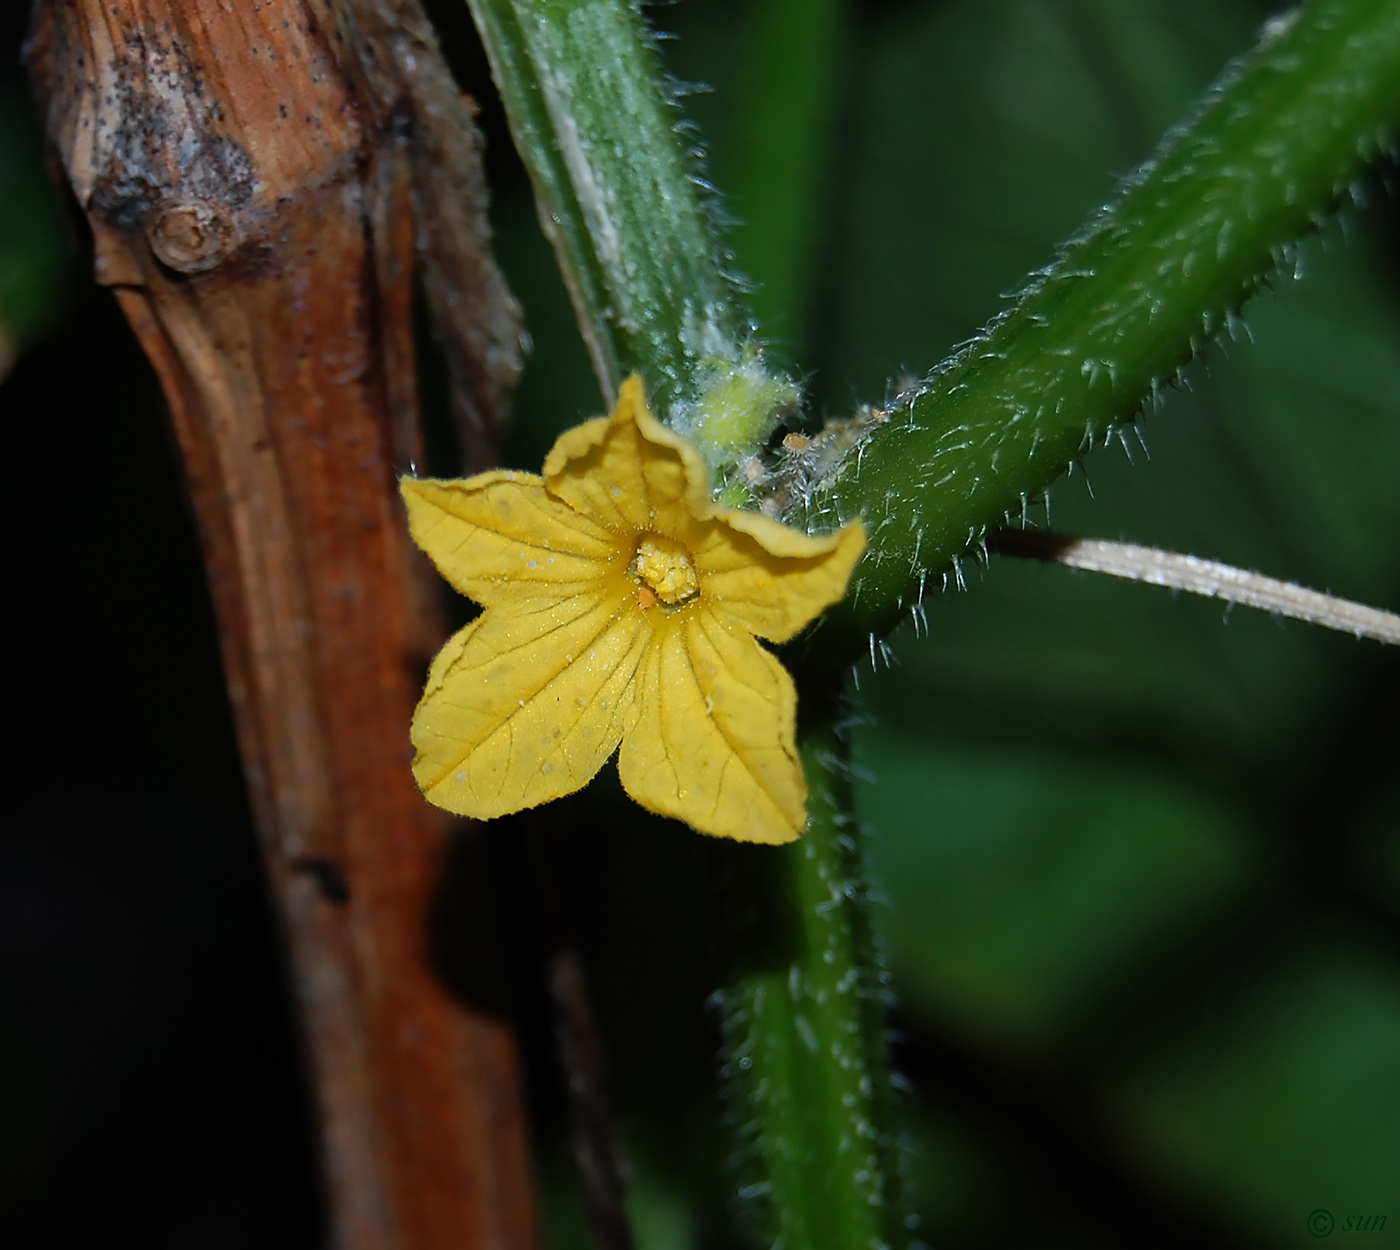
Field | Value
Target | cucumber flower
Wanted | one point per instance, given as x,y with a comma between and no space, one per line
622,609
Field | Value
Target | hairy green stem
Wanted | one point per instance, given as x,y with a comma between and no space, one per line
802,1014
1125,304
623,204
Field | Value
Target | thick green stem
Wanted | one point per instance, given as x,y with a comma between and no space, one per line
614,191
622,204
1127,303
802,1014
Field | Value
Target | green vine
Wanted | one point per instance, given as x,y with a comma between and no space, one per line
623,205
1125,304
1113,317
802,1013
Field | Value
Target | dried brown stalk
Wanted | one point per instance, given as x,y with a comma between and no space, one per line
248,170
1207,578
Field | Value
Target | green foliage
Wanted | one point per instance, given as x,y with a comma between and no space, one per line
777,171
1143,862
1290,1091
1043,878
1143,857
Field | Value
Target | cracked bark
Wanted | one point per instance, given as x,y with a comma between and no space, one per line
250,173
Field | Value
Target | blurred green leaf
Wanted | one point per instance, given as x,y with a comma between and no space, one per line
981,135
1311,415
1283,1099
792,57
35,260
1033,880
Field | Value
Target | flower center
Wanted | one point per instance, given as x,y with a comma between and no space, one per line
666,570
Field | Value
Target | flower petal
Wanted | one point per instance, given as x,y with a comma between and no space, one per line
500,538
772,579
525,706
628,472
713,744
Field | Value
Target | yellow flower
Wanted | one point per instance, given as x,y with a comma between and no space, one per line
622,607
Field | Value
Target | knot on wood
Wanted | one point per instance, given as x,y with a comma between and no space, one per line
191,236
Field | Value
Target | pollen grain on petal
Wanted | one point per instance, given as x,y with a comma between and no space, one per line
667,569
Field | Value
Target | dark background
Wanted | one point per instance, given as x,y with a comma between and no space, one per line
1142,856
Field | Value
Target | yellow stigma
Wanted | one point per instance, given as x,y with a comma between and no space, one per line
665,568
